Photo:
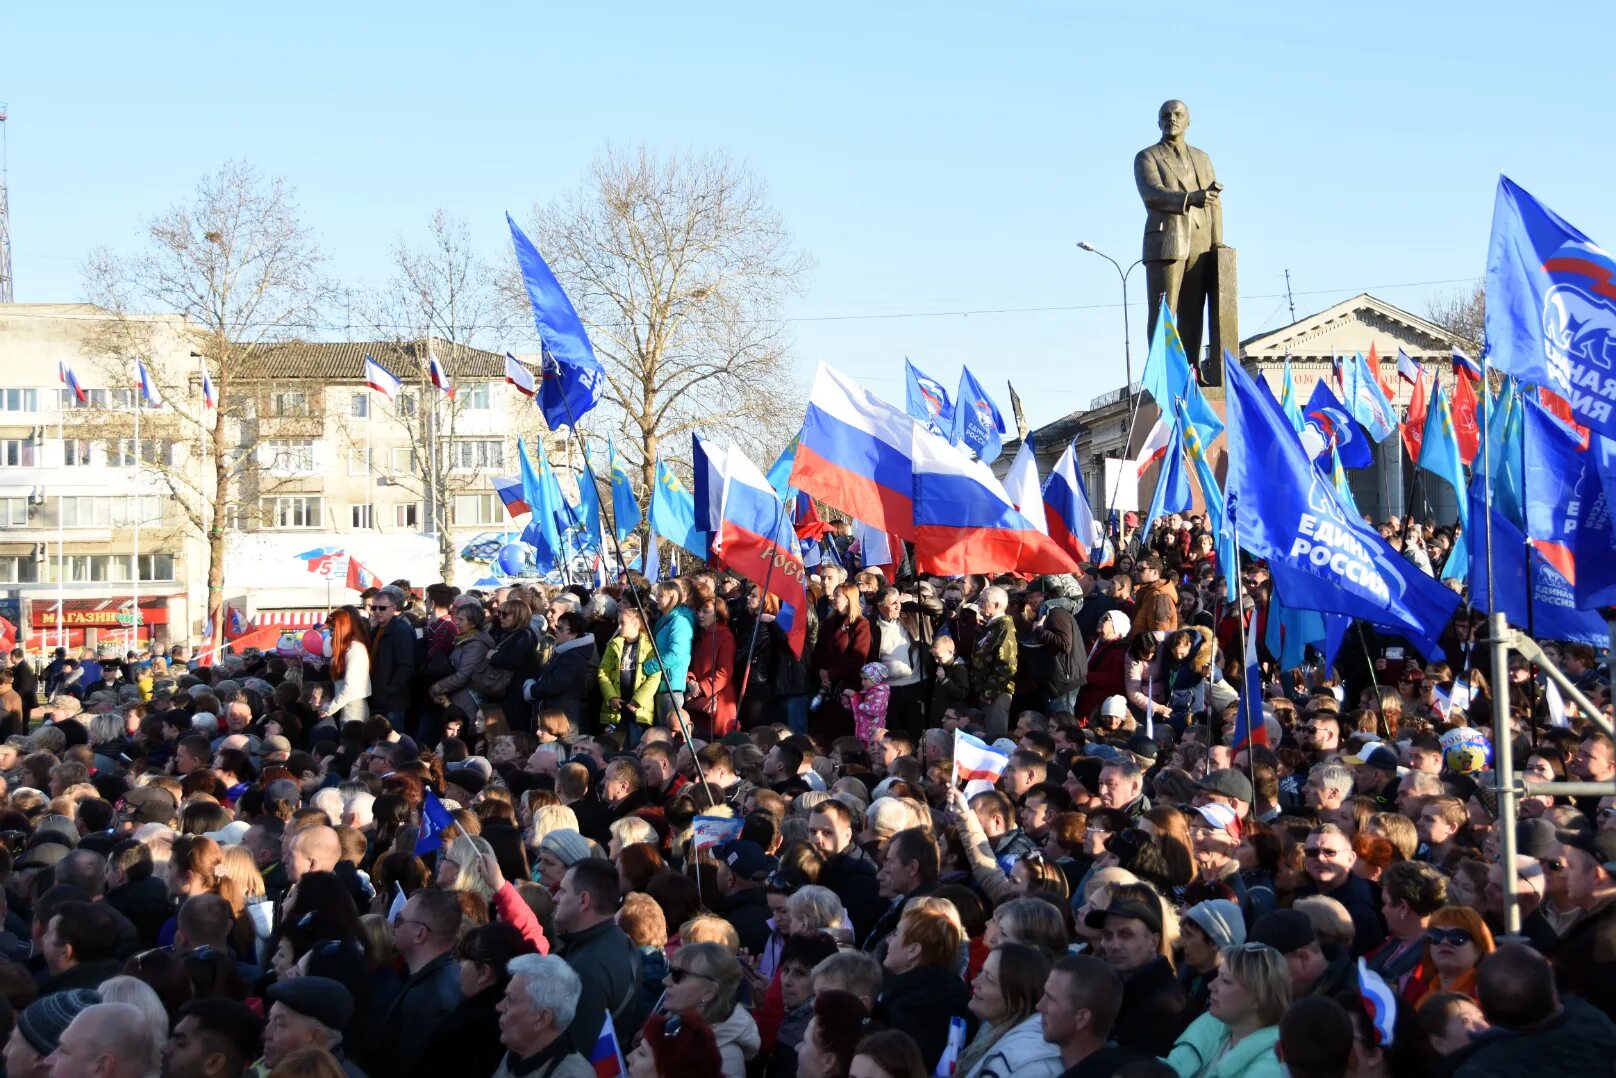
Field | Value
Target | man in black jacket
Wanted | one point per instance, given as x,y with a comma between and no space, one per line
909,868
1056,632
925,995
742,868
1155,1007
604,958
1534,1030
848,869
26,682
392,660
569,672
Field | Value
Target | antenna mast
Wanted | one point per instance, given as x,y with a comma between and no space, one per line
6,294
1289,298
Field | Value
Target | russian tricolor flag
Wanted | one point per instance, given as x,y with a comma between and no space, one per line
440,377
143,382
1066,507
71,381
607,1055
856,452
518,375
208,399
509,489
381,379
973,759
755,539
964,521
1463,364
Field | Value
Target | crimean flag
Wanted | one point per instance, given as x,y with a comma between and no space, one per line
518,375
381,379
974,760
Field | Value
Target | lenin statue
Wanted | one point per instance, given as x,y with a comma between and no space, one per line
1183,227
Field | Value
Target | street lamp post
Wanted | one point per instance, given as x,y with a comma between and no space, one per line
1127,359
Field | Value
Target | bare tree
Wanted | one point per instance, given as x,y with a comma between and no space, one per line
238,264
441,298
1462,313
678,267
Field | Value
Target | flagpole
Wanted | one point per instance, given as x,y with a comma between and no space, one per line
370,474
634,593
61,536
140,400
1526,547
1487,489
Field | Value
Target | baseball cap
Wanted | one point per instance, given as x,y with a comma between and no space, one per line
745,858
1143,746
1128,907
1227,782
1221,817
1375,755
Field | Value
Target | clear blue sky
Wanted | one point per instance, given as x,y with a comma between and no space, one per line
930,157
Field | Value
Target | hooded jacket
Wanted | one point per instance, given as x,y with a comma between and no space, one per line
646,683
565,678
1020,1052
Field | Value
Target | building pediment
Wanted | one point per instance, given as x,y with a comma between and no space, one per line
1353,326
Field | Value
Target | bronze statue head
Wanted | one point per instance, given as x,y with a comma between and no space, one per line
1173,118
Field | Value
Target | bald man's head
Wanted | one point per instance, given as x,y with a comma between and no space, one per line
313,849
110,1039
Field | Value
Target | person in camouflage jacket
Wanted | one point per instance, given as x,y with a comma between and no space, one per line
993,662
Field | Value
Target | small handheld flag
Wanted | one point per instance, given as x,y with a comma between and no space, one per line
1379,1002
381,379
439,376
1407,368
1249,724
948,1062
434,819
606,1057
974,760
708,831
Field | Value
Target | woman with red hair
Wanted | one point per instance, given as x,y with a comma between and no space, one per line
675,1046
1456,940
349,649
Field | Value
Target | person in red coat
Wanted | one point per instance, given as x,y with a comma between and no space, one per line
712,695
1107,663
840,653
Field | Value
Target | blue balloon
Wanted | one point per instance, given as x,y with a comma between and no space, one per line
512,558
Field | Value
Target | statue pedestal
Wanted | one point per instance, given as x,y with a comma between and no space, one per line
1224,304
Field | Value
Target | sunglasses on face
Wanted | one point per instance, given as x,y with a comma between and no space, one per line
1458,937
1323,853
677,975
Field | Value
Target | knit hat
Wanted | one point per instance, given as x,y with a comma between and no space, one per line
876,672
1119,621
43,1021
1221,920
566,846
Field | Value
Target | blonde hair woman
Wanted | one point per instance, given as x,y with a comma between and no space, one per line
1235,1038
704,977
461,869
818,909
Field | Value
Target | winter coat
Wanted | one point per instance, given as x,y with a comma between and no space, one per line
1144,605
565,678
1069,657
675,637
1020,1052
842,650
609,675
392,663
1206,1037
469,658
1153,1009
715,692
1106,663
950,688
1578,1041
146,903
1585,959
608,964
466,1043
429,996
748,910
993,661
349,692
737,1038
920,1003
852,876
517,652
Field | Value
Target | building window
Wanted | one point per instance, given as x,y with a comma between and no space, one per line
16,453
110,512
13,512
76,452
20,569
359,405
290,455
82,512
403,462
289,402
157,453
405,404
359,461
474,510
478,396
361,516
291,512
235,518
157,567
19,400
407,516
121,453
476,455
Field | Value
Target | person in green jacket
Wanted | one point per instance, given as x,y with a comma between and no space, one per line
627,690
1235,1037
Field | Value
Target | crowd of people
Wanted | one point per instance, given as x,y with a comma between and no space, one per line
514,833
